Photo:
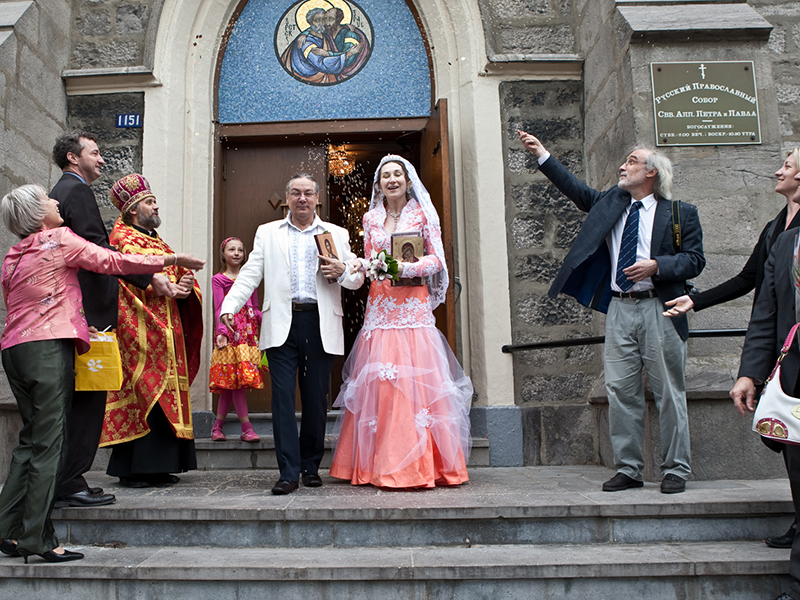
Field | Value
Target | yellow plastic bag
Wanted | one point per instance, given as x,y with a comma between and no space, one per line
101,367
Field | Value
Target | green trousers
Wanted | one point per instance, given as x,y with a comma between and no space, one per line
41,375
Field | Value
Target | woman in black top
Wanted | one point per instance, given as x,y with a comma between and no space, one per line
752,276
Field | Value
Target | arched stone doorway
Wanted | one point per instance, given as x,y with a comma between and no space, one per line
282,109
178,149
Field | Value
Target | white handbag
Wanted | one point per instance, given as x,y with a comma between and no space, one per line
777,415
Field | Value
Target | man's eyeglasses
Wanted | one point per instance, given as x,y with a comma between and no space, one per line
298,194
632,161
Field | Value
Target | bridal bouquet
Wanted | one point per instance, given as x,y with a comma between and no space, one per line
381,266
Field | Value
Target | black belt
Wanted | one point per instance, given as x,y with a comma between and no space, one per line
300,306
634,295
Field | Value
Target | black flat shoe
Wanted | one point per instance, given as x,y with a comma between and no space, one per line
9,548
85,498
134,483
51,556
312,480
784,541
284,487
620,482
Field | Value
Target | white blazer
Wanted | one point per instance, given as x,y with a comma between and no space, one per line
269,261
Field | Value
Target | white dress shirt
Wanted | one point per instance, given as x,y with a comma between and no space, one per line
647,214
303,259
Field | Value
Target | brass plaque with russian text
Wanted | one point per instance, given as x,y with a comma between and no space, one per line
705,103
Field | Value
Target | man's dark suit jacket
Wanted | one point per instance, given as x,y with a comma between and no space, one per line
773,317
78,208
586,270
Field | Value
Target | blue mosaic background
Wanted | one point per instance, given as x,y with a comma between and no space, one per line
254,87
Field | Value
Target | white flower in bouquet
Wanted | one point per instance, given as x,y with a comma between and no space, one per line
381,266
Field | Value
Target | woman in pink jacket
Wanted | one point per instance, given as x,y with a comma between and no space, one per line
44,327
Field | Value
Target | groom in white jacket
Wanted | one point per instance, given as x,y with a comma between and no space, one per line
301,329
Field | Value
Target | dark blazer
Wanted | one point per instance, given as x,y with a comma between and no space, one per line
752,274
586,270
78,208
773,317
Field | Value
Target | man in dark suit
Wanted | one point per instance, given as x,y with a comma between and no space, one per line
625,262
774,314
78,157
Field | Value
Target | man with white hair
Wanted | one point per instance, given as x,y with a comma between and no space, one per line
628,260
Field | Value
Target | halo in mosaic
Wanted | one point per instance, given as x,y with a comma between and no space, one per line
324,59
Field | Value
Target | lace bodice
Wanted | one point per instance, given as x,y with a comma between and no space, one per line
400,307
411,219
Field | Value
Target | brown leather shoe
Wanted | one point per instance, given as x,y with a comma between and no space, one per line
284,487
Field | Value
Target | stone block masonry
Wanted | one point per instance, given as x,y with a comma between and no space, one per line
111,33
34,45
120,147
540,226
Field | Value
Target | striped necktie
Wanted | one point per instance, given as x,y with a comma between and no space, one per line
628,246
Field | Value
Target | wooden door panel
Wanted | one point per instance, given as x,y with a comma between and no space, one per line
435,174
254,192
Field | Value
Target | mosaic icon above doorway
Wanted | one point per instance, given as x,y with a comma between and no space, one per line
323,42
387,73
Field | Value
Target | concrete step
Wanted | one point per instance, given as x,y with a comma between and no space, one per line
722,570
499,506
235,454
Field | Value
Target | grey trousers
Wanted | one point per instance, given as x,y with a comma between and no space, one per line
639,336
42,376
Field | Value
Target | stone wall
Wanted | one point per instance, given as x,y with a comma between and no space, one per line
113,34
33,108
526,27
784,50
552,385
589,126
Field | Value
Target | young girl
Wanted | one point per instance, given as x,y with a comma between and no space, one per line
235,362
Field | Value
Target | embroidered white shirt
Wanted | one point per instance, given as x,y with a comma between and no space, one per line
303,261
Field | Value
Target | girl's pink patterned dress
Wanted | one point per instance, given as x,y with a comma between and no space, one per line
406,399
237,366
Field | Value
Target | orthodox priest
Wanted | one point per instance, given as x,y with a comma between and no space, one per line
149,421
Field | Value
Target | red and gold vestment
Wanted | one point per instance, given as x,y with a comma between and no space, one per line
159,341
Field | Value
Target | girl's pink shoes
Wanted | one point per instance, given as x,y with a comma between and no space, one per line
217,435
249,436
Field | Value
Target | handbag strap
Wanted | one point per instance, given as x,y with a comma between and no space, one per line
788,343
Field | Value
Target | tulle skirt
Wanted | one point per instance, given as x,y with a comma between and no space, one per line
406,404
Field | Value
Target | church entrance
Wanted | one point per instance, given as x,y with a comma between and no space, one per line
255,161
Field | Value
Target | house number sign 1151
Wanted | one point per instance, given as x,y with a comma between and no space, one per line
131,120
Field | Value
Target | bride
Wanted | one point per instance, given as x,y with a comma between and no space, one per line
406,400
